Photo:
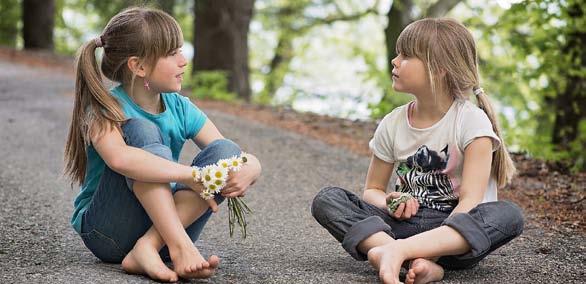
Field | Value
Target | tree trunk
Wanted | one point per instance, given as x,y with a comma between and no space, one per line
221,40
570,105
398,19
37,23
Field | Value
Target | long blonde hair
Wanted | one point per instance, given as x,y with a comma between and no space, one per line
448,51
146,33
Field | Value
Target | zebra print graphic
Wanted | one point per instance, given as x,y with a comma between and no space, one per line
421,176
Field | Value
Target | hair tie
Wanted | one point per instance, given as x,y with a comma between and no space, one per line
477,91
98,41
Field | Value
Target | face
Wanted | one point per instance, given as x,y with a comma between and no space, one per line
167,74
409,75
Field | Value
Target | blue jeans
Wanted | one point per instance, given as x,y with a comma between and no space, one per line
351,220
115,219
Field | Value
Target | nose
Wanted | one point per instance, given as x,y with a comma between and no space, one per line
182,60
394,61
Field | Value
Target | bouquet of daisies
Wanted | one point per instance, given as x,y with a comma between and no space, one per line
214,177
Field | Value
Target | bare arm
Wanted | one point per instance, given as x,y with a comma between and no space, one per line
377,180
137,163
475,174
238,182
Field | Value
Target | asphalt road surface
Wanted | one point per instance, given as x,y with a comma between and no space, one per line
285,244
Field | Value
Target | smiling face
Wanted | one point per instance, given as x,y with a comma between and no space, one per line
409,74
167,74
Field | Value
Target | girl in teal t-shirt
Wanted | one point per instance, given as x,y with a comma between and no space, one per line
137,205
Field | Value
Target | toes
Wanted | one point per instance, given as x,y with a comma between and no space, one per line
214,261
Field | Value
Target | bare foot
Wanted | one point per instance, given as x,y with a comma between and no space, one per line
387,259
189,263
144,259
424,271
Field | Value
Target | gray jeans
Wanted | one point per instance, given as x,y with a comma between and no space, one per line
351,220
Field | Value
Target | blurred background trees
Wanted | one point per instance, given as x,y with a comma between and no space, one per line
333,56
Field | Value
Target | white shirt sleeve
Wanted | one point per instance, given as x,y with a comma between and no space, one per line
381,144
475,123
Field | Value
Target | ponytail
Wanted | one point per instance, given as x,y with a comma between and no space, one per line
503,167
94,111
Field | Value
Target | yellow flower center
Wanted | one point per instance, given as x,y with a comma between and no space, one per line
208,178
218,174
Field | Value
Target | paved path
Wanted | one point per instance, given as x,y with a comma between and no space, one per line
285,245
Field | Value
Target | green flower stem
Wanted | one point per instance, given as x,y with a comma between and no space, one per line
237,214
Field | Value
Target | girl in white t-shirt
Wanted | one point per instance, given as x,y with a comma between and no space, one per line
444,158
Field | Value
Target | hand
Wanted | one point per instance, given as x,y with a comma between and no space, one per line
238,182
406,209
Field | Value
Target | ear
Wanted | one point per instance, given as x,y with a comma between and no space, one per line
136,66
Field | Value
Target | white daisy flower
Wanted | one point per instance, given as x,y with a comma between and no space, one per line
235,163
219,173
206,174
220,184
206,195
224,163
244,158
196,174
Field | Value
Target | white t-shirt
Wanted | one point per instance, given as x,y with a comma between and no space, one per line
428,162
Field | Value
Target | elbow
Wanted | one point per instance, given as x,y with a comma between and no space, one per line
117,163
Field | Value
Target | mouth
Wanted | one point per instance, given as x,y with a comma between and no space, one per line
394,75
180,76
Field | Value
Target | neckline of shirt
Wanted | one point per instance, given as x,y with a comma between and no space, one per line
435,125
120,90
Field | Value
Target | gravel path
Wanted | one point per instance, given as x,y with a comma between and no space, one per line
285,244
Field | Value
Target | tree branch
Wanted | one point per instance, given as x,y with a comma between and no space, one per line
441,7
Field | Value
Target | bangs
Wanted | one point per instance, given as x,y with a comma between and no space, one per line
413,40
162,33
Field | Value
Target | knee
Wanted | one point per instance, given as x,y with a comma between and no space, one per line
516,220
224,148
322,204
507,215
140,132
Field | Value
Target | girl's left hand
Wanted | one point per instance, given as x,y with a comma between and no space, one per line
238,182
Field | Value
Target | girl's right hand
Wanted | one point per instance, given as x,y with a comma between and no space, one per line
405,210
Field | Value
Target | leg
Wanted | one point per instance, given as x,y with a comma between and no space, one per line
358,225
192,211
115,218
486,227
185,197
465,238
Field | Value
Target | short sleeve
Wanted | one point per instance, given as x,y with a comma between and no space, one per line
194,118
475,123
381,143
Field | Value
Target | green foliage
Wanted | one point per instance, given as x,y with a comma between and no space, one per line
90,17
210,85
528,64
380,76
9,21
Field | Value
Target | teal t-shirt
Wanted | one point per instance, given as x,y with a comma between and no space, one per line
180,121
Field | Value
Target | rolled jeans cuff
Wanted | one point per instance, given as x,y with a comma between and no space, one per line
360,231
472,231
155,149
